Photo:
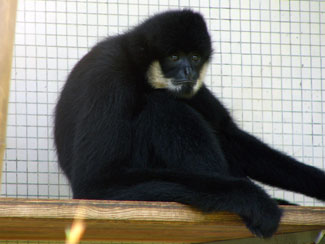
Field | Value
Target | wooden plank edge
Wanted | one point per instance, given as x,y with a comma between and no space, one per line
140,211
22,219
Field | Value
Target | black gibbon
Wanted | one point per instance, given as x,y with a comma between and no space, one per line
135,122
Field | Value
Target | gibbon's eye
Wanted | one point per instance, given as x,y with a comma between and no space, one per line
174,58
196,57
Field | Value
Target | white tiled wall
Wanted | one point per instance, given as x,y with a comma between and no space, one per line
268,68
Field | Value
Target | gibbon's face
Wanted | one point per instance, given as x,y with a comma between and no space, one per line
180,73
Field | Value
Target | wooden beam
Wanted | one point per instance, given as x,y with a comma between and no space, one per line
134,221
7,30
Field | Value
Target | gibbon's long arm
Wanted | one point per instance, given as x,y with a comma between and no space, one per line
248,156
262,163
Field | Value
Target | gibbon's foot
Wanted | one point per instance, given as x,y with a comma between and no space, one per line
264,222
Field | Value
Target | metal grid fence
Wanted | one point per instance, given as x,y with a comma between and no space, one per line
268,68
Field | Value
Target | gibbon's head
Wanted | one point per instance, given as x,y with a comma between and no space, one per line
181,49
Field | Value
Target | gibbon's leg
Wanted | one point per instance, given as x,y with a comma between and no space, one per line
262,163
205,192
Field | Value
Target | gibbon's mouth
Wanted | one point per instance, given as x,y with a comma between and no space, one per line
182,82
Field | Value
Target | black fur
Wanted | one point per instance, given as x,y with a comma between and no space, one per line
118,138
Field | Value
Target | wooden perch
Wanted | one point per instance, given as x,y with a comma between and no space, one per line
134,221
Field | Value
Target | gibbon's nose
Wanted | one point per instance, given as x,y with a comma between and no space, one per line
188,73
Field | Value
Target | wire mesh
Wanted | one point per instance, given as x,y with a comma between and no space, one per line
268,68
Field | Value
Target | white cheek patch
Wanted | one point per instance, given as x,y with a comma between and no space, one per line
155,76
157,79
199,82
